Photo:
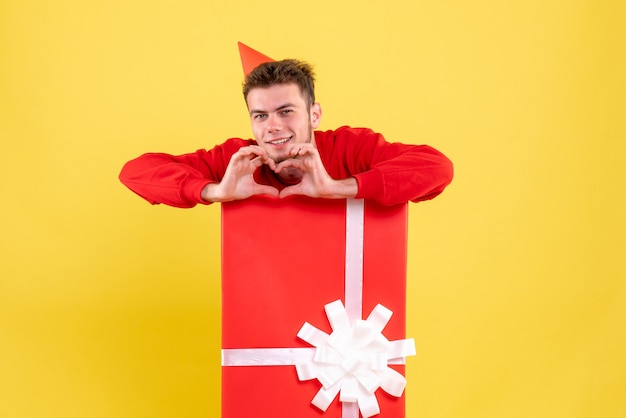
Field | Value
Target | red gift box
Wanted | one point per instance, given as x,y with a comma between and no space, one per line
283,261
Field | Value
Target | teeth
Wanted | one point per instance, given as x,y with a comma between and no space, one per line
280,141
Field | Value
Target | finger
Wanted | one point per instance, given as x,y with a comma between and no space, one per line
266,190
299,149
257,149
270,162
290,162
257,161
290,191
250,150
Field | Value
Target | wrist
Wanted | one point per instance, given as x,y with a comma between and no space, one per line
345,188
211,193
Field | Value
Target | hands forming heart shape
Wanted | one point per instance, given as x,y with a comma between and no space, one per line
303,170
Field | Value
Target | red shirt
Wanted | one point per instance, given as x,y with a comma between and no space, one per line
390,173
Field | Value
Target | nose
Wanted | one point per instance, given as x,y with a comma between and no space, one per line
273,123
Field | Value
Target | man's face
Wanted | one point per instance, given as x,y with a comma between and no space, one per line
280,118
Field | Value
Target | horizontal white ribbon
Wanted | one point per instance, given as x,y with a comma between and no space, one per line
278,356
266,356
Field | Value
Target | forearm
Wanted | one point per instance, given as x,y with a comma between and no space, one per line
213,193
390,173
162,178
342,189
419,173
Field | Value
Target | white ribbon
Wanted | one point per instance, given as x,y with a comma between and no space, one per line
266,356
355,215
353,360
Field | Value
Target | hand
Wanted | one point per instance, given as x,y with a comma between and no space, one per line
238,181
316,182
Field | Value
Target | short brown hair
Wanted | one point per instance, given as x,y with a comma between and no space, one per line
283,72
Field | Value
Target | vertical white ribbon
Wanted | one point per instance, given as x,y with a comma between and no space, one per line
349,410
355,216
354,258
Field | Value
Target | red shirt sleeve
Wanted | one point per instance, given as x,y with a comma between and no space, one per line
178,180
390,173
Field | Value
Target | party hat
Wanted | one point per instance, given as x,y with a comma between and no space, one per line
250,58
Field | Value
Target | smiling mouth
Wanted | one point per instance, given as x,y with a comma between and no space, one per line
280,141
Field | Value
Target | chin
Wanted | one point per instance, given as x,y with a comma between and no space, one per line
280,157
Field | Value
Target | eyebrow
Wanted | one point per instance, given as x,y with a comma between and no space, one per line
279,108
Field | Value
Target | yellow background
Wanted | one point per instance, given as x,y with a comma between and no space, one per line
517,293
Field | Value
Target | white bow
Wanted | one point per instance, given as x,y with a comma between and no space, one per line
353,360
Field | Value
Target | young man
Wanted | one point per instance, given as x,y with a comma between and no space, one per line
289,157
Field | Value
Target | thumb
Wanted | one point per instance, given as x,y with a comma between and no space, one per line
290,191
267,190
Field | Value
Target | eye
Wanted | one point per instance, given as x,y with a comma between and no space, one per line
260,116
286,112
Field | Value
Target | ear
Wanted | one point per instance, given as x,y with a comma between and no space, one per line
316,115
